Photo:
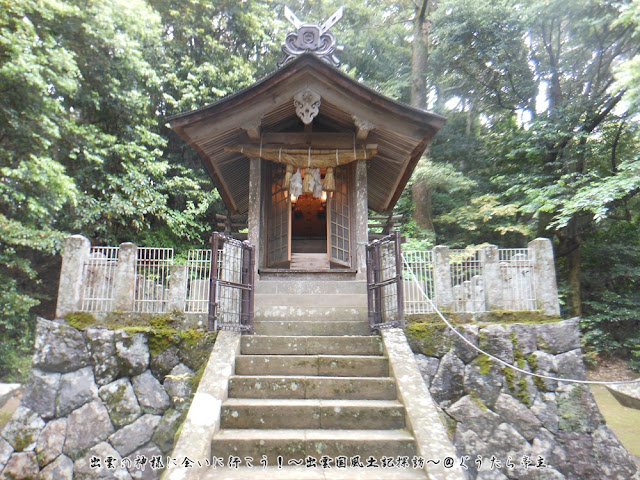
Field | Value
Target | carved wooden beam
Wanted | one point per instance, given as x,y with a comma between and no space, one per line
362,128
253,129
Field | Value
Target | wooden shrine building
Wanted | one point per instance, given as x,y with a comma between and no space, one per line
305,153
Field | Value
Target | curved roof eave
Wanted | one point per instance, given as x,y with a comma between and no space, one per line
306,60
215,123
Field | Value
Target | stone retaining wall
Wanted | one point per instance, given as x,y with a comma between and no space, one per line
99,393
495,411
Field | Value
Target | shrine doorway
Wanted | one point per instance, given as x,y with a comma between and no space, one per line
307,232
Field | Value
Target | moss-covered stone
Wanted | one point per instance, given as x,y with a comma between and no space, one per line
533,365
162,330
577,411
522,393
544,346
166,433
484,362
518,387
428,338
195,347
494,316
518,356
478,401
80,320
509,376
24,439
195,380
450,424
523,316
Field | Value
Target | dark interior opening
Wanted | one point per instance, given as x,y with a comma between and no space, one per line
309,225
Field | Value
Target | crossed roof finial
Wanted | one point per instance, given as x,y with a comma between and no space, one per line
311,38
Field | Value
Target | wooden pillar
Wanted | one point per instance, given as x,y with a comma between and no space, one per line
255,209
361,215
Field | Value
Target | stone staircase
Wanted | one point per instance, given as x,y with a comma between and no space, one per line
306,298
311,389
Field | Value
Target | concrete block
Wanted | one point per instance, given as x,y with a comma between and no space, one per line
70,289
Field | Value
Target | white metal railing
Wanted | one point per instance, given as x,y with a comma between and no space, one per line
421,264
99,273
517,277
466,267
152,279
466,280
517,280
198,279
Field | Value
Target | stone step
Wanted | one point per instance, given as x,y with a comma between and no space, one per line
324,365
311,345
318,387
264,300
311,312
298,444
311,287
311,327
312,414
314,473
309,261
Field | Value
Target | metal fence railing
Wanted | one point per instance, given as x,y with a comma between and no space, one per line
231,296
515,289
385,282
152,279
421,264
99,273
467,271
198,280
466,280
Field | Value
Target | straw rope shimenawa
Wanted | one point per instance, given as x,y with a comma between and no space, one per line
307,157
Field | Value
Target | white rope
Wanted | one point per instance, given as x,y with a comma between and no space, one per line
309,157
337,157
280,155
506,364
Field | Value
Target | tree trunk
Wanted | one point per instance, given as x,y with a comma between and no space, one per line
420,56
574,300
422,212
421,194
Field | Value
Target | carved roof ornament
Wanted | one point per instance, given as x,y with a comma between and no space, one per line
311,38
307,103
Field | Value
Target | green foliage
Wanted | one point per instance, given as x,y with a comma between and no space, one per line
610,324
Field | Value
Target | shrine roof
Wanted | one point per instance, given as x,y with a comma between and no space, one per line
350,113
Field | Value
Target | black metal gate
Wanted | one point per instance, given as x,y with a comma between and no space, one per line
232,280
384,282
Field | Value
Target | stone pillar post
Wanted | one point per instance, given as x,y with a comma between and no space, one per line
490,260
255,203
76,251
361,219
443,290
177,288
125,281
545,284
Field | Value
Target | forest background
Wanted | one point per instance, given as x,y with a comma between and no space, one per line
542,99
